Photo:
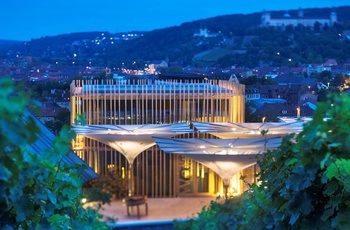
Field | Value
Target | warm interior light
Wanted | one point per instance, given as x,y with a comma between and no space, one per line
123,172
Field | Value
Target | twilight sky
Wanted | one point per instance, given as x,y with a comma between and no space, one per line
27,19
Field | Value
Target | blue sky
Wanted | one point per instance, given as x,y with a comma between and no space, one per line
24,20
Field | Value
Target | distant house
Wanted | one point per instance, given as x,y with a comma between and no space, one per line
346,66
61,98
299,19
317,68
155,65
247,73
266,101
204,33
330,63
284,110
310,83
271,75
308,99
251,93
288,89
49,114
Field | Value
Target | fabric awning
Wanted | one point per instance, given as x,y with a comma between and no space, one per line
249,130
226,157
131,140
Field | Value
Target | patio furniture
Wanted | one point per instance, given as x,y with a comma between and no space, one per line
132,201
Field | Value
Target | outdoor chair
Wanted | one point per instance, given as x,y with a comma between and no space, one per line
135,200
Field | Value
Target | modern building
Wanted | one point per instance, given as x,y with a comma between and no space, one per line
130,126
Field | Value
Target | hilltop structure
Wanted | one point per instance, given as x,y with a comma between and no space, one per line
300,19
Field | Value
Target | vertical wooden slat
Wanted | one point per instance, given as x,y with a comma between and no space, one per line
125,104
147,174
198,102
119,103
165,170
156,180
220,105
137,189
104,111
161,169
179,101
114,105
164,104
156,104
97,104
153,173
131,104
188,119
216,103
170,102
226,113
152,106
212,103
147,96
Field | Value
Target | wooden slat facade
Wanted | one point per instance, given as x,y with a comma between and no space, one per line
145,102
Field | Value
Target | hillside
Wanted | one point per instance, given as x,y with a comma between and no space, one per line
6,45
232,40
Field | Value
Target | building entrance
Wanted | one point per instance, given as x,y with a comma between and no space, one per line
195,178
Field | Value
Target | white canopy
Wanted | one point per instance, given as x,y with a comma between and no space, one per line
249,130
131,140
226,157
291,119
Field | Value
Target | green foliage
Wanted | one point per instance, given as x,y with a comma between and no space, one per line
218,215
94,194
37,190
210,56
303,184
40,90
255,80
112,183
268,116
62,118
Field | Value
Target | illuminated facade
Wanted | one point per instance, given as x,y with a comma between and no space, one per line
156,173
267,20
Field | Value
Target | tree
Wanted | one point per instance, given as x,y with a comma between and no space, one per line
317,26
37,193
256,80
325,76
62,118
339,80
322,95
307,184
304,183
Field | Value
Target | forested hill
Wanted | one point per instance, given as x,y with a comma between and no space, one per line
231,40
5,45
